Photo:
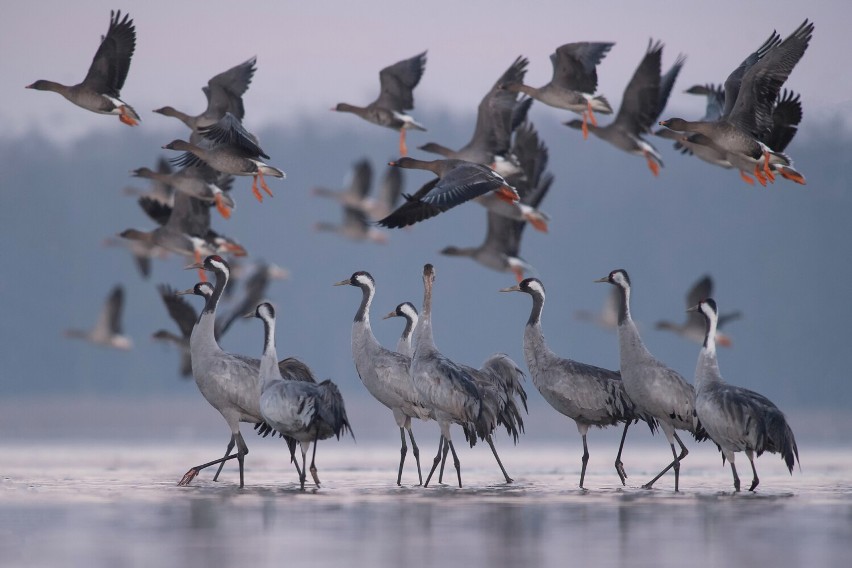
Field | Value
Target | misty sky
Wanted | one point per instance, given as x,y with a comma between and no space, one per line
781,255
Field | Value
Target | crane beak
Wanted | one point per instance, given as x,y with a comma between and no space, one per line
389,315
693,308
604,279
194,266
342,282
514,288
249,315
185,292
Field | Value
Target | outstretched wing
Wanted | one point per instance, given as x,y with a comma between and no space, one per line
398,82
112,59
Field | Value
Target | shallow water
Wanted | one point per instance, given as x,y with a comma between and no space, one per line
111,504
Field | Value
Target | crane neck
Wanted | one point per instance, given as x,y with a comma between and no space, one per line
218,289
269,360
535,314
623,304
629,341
423,332
363,313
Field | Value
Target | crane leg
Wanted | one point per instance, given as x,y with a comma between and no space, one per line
313,462
755,481
585,461
291,445
443,463
619,467
242,450
190,475
494,451
227,451
402,451
416,451
304,451
736,477
456,461
675,464
435,462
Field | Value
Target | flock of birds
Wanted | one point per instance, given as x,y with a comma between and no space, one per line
747,125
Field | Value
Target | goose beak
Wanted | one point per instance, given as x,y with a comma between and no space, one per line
342,282
604,279
389,315
185,292
514,288
194,266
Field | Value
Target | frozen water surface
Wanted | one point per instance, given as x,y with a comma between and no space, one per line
117,504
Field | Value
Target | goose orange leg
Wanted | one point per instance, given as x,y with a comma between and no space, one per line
769,175
519,273
403,149
746,178
221,207
537,222
585,128
254,189
263,184
759,175
592,118
652,165
792,176
126,118
507,194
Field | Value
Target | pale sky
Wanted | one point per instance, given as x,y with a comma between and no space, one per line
312,55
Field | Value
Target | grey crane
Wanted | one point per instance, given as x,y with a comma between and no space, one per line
655,389
306,412
498,380
451,390
384,372
442,384
228,382
737,419
693,328
589,395
407,311
107,331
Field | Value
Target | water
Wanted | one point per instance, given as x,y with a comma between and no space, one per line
109,503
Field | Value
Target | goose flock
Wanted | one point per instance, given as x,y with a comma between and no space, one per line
748,124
